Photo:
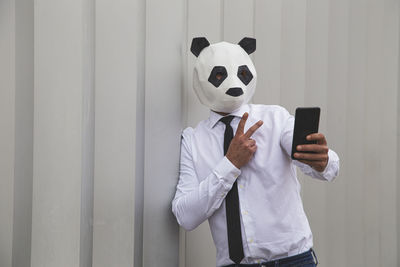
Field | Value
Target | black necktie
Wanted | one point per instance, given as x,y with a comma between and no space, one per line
232,205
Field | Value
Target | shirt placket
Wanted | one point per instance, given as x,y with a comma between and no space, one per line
249,235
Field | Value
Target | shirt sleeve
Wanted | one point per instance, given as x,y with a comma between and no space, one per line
195,201
332,168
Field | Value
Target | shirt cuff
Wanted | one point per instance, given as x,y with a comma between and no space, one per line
226,172
332,168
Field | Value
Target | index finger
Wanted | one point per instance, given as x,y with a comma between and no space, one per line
253,128
240,128
319,137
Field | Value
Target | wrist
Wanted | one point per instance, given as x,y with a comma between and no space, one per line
233,161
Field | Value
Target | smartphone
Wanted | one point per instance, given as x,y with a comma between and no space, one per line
306,122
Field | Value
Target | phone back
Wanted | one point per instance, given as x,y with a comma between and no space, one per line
306,122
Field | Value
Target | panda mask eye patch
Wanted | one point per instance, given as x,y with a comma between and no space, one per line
244,74
218,75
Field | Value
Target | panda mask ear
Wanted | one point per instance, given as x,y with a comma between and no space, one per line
248,44
198,44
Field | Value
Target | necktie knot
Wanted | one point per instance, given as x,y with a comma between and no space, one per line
227,119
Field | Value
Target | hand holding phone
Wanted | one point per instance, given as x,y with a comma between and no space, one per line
309,146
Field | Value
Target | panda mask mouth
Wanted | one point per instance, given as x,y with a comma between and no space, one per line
235,91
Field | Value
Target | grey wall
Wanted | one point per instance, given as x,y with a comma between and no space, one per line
115,134
80,170
63,133
23,165
7,134
16,124
163,90
94,95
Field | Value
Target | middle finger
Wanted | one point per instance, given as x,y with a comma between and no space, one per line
313,148
311,156
253,128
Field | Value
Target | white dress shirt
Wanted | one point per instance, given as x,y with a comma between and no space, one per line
273,221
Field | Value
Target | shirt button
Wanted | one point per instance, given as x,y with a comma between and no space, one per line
245,212
241,186
250,240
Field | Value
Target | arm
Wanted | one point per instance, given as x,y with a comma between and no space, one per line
328,172
196,201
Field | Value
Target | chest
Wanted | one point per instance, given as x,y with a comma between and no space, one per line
208,151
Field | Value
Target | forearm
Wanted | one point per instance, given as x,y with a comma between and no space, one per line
195,203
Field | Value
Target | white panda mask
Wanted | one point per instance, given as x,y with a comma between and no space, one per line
224,77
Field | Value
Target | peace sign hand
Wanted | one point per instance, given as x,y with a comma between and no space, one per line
242,147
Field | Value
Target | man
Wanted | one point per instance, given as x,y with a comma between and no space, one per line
236,170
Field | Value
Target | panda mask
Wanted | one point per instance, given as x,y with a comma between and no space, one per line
224,77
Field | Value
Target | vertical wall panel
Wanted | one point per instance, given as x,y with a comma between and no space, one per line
355,157
115,107
267,59
163,125
238,20
293,53
389,225
7,123
336,116
140,131
315,94
372,133
23,134
398,133
62,122
88,82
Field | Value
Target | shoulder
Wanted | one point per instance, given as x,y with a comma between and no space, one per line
189,133
186,139
271,111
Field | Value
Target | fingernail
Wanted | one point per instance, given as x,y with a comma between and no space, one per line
298,147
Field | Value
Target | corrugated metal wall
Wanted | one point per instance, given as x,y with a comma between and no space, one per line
114,88
341,55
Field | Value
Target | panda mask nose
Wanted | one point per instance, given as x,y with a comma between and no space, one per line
234,91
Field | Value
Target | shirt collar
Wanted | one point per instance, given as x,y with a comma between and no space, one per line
215,117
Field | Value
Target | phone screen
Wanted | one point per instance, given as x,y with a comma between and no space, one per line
306,122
